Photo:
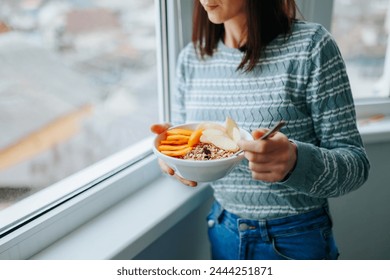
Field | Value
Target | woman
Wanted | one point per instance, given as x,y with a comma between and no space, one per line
253,61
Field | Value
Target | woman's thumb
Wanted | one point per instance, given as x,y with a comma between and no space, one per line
258,133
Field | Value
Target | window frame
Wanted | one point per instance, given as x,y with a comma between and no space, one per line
39,220
35,205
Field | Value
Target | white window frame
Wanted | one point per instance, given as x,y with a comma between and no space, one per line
32,224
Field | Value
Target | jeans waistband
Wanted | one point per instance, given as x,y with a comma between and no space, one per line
312,219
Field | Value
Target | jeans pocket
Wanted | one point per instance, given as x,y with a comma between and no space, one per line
316,244
223,236
214,213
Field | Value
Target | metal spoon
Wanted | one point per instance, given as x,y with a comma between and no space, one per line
273,129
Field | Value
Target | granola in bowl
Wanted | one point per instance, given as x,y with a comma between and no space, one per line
204,151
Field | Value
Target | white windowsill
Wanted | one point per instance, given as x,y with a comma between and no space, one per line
376,132
132,225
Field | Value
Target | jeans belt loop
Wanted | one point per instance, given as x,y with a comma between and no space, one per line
264,231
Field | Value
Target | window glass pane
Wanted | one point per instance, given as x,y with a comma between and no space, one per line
78,83
361,30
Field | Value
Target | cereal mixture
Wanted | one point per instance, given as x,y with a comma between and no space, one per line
207,152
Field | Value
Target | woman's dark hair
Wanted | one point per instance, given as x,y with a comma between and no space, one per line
266,19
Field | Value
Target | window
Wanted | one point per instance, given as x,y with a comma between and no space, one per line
84,89
78,87
361,29
39,219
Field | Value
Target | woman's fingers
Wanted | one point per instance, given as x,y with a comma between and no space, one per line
165,168
270,159
186,182
168,170
159,128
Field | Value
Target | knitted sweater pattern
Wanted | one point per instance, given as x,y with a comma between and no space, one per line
300,78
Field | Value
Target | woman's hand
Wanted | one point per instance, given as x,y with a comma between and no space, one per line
272,159
158,129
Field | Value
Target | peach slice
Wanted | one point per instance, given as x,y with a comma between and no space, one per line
179,131
195,137
172,147
174,142
177,137
177,153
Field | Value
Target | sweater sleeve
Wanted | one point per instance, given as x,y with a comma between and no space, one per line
337,163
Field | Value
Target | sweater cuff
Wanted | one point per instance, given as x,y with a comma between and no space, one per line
298,177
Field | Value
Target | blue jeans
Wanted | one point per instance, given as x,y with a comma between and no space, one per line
305,236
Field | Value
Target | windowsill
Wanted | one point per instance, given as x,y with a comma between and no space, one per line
376,131
117,230
373,131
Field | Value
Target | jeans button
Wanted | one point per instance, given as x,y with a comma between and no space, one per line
243,226
210,223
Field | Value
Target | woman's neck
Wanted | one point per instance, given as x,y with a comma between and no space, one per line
235,33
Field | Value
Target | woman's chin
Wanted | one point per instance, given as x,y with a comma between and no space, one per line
214,19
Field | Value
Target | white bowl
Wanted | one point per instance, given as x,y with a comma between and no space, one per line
200,170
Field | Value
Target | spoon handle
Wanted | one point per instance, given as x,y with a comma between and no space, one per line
274,129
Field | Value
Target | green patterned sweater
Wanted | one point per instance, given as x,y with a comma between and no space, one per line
301,79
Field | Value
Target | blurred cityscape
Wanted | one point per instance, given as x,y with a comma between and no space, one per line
361,29
78,83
